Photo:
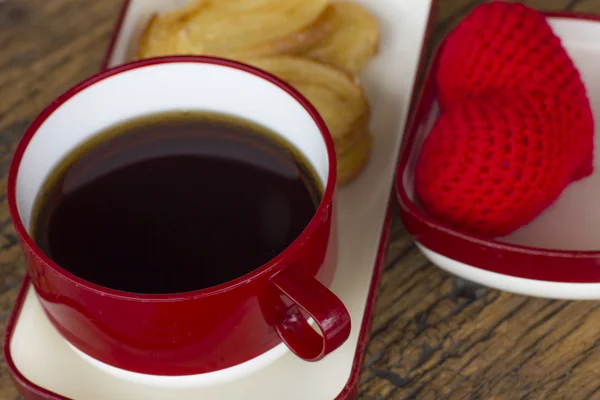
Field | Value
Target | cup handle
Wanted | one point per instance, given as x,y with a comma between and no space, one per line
328,312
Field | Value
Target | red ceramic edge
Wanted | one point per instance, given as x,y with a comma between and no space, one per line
503,258
571,15
31,391
350,391
115,35
26,388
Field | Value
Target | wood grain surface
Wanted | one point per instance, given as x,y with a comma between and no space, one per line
433,336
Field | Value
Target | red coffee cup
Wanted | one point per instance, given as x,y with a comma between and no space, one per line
241,322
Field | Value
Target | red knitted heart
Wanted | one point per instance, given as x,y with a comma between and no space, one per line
516,126
494,163
503,45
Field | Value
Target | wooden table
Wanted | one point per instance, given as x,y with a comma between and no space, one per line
432,337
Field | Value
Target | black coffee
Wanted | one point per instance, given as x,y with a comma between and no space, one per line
174,202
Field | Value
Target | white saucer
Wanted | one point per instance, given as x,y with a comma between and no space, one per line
189,381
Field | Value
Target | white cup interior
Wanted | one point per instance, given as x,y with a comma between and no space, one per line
158,88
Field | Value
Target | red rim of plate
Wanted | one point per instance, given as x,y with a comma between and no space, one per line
429,226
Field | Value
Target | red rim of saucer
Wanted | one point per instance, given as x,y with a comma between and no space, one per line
471,249
270,267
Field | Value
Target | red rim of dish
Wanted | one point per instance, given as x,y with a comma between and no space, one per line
270,267
431,226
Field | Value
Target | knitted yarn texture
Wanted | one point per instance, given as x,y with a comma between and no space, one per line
516,126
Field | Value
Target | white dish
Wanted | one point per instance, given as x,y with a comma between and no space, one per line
569,229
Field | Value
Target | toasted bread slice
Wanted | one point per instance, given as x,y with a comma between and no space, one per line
359,128
156,38
353,41
352,161
241,28
337,96
159,35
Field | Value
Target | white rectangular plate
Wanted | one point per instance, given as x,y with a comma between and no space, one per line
42,357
